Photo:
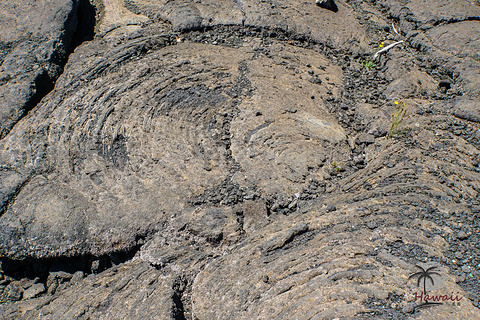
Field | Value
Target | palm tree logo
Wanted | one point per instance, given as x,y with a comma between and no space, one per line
424,275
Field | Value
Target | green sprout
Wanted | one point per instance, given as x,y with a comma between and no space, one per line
337,167
397,118
369,64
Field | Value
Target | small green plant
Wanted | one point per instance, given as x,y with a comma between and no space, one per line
337,167
369,64
398,116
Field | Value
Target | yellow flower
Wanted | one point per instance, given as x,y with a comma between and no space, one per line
396,102
381,45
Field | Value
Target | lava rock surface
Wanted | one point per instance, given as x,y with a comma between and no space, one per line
238,159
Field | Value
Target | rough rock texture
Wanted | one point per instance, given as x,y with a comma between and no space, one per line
36,38
238,159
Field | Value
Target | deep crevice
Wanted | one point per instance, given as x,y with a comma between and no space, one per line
40,270
178,311
78,27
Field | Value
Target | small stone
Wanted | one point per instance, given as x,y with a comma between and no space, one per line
462,235
327,4
359,159
409,307
58,276
14,293
95,268
33,291
381,294
292,204
331,208
365,138
460,278
315,80
458,255
77,276
371,225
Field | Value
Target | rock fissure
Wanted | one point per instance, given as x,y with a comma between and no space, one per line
77,28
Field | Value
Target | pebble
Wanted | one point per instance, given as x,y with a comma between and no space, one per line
462,235
14,293
77,276
371,225
460,278
365,138
409,307
315,80
327,4
34,291
359,159
331,208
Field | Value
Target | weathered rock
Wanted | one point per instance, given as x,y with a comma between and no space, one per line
254,214
365,138
187,126
131,291
33,291
462,235
411,85
13,292
340,30
447,31
467,109
33,50
327,4
309,276
229,160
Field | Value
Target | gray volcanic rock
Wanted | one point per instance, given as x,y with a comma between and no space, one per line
448,32
238,160
327,4
467,109
145,128
119,293
36,39
339,30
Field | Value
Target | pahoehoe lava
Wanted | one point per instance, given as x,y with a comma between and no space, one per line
238,159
